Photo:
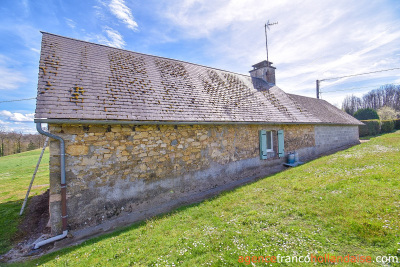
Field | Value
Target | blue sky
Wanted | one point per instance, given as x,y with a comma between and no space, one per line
313,40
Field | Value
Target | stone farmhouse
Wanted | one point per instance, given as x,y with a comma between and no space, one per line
133,133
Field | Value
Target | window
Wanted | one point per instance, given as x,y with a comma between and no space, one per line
267,143
270,142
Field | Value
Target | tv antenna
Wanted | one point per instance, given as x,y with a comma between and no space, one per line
266,36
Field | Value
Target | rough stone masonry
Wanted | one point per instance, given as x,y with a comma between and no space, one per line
113,169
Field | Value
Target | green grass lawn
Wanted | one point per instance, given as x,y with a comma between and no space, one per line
15,175
347,203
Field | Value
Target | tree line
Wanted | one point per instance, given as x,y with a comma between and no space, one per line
386,96
14,142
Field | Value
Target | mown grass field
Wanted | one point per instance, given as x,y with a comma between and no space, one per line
15,175
347,203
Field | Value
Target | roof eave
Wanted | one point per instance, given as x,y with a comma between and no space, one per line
137,122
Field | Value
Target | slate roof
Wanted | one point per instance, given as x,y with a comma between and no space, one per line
324,111
86,81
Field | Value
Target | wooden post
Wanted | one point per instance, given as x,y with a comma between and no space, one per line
33,177
317,88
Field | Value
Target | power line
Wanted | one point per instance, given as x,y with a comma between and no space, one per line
15,100
356,88
358,74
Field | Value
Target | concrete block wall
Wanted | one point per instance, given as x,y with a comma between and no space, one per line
329,137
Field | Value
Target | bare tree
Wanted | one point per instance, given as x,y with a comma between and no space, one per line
17,142
351,104
387,95
2,138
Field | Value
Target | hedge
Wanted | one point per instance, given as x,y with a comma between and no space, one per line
397,124
387,126
371,127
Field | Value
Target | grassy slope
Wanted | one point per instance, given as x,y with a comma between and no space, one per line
15,175
346,203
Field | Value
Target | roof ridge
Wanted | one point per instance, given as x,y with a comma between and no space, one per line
305,96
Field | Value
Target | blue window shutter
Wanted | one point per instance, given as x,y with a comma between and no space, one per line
281,144
263,144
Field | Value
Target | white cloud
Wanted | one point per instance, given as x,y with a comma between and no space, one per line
25,5
98,11
10,78
35,50
26,128
17,117
3,123
123,13
70,23
113,38
28,34
313,39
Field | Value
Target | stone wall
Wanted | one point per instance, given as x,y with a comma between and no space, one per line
112,170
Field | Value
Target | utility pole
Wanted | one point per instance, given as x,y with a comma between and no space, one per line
317,82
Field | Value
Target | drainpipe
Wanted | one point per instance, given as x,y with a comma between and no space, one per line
63,190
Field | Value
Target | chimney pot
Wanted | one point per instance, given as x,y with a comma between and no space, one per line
265,71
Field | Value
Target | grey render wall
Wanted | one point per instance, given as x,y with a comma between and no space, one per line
329,137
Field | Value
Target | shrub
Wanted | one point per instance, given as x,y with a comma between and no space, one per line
31,146
387,126
371,127
397,124
387,113
366,114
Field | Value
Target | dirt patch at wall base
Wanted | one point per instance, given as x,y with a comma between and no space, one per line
33,226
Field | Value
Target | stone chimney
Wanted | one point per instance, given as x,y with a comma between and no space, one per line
264,71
